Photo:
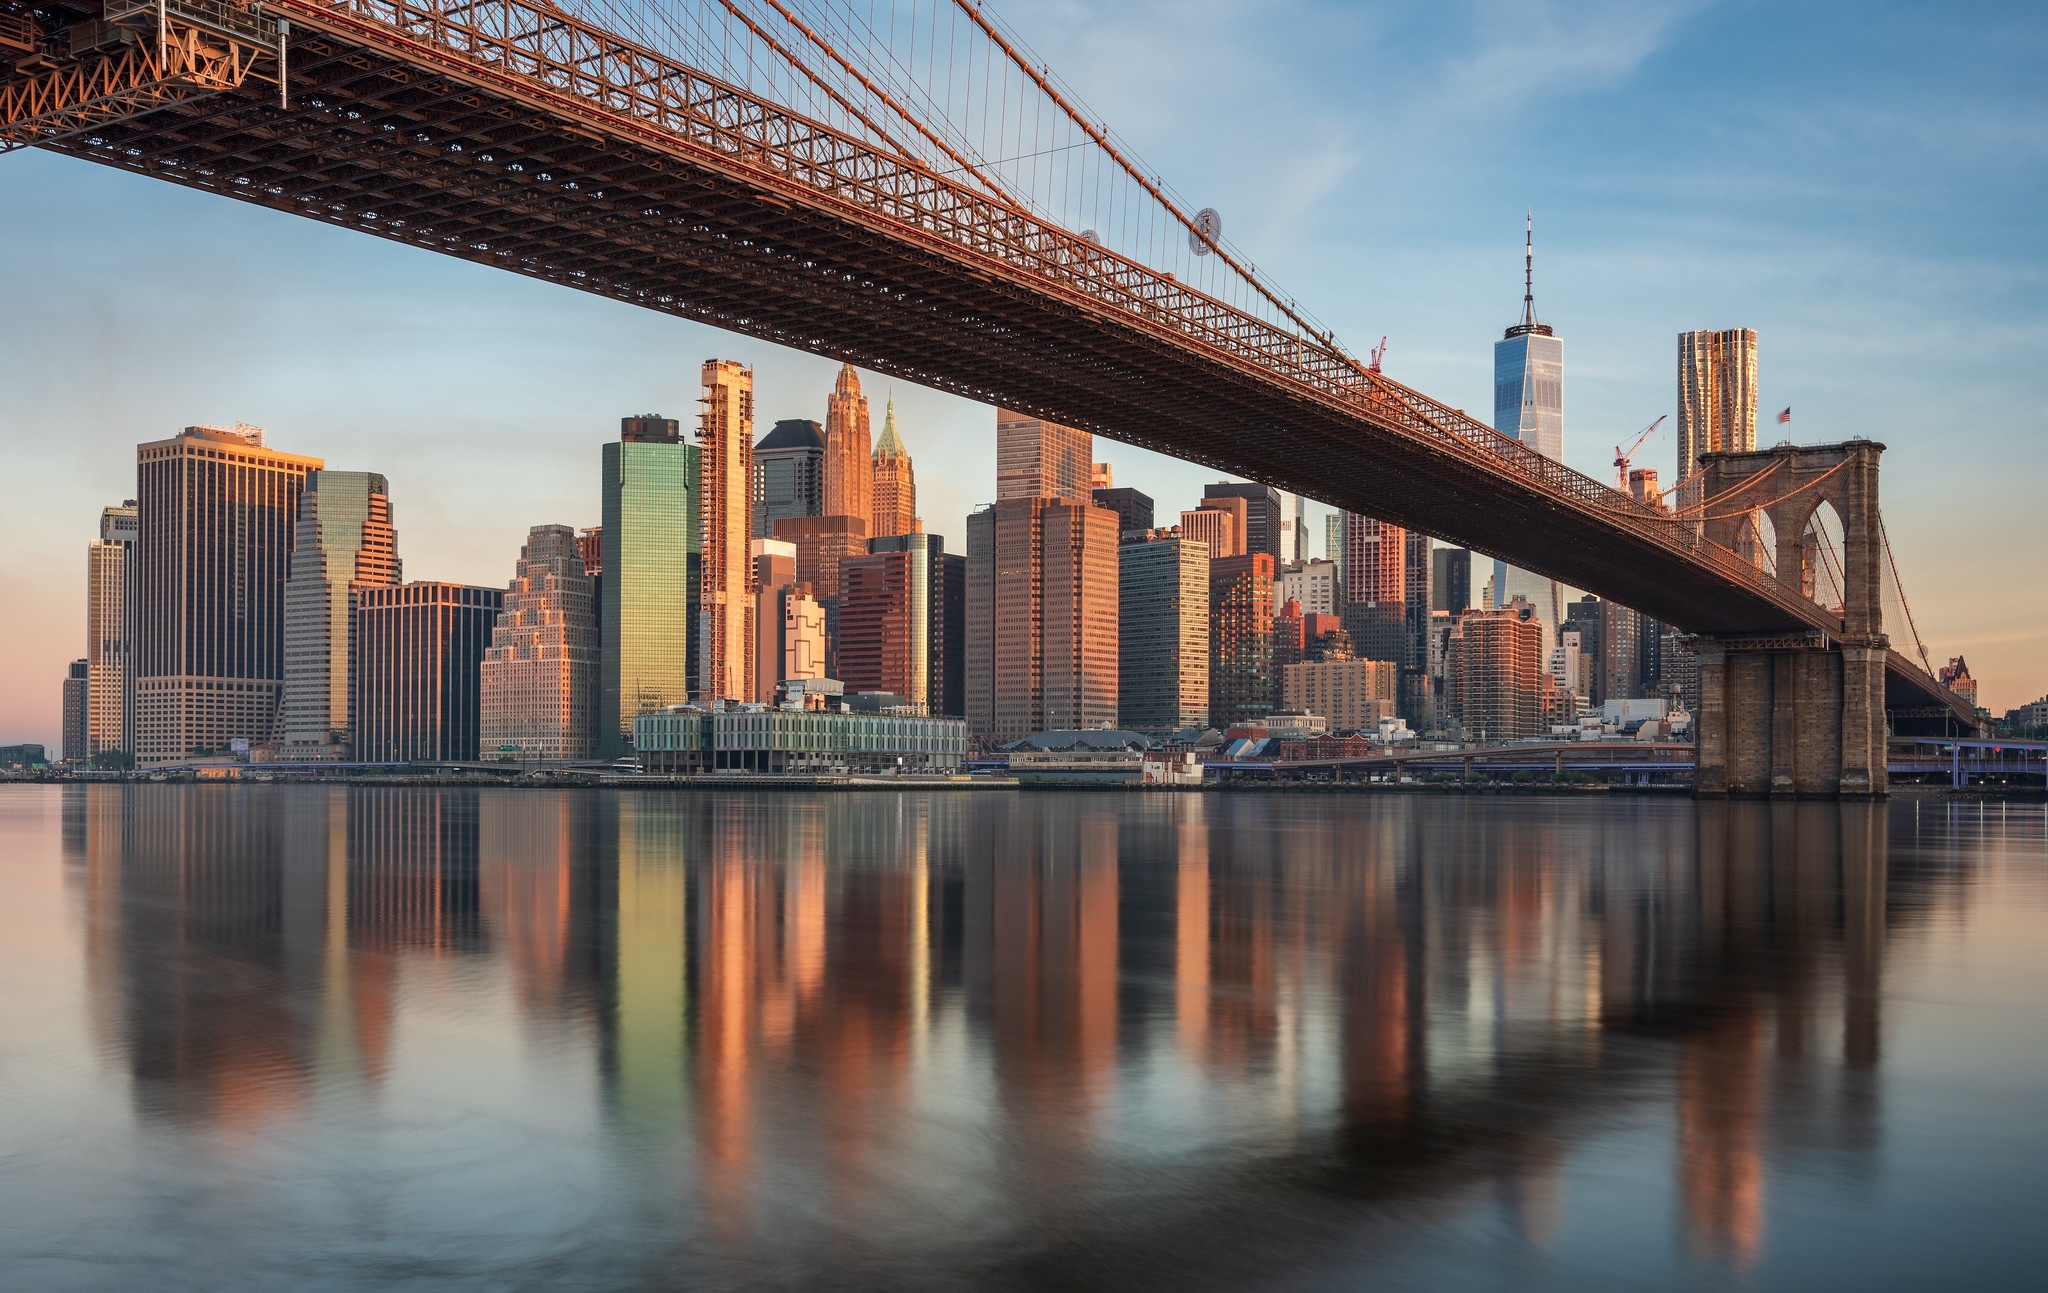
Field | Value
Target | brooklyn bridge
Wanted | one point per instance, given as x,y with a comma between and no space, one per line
931,203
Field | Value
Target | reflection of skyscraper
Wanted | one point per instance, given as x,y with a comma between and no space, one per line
210,632
652,550
1716,395
727,615
345,542
110,631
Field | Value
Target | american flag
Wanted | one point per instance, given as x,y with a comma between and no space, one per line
1786,416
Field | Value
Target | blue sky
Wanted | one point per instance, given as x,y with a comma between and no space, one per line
1862,184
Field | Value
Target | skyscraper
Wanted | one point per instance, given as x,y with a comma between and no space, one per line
215,516
726,442
1450,587
419,661
1716,395
1266,522
1375,573
652,541
1220,528
1496,674
894,483
849,449
789,474
1040,459
886,618
774,582
1041,617
1241,678
77,704
540,675
1162,632
1528,405
949,640
344,542
110,632
1132,507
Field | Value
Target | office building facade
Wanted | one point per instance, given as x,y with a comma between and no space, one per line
110,606
419,670
1220,529
1241,678
1040,459
789,474
216,513
887,618
1716,395
1496,674
539,678
1162,632
1041,617
1354,695
652,540
77,710
774,580
1266,525
849,449
345,541
1133,508
726,613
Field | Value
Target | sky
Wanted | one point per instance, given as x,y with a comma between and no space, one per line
1863,184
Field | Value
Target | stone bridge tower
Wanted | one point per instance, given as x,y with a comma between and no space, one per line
1799,714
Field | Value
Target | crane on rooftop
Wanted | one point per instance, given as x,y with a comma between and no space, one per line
1622,456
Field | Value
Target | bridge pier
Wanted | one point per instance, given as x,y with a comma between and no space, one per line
1798,715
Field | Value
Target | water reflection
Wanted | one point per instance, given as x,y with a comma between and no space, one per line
1037,1039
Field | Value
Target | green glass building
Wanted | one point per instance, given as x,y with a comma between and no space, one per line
652,545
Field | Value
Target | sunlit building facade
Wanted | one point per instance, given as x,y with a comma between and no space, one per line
539,677
1716,395
1162,632
419,662
1040,459
110,632
726,615
1040,617
345,542
652,556
893,480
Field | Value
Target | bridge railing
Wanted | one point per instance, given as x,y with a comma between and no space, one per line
595,70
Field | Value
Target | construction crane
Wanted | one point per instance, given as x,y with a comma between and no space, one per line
1377,352
1622,456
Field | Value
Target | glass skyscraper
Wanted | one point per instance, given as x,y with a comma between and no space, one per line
1528,405
652,553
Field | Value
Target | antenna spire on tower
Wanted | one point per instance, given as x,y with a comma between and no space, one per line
1529,268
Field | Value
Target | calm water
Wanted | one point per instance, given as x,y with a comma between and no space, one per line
266,1037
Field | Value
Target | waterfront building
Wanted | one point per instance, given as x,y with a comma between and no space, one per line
789,474
1241,678
1041,616
1220,529
77,706
894,507
1040,459
1450,583
110,606
887,619
651,567
344,542
1162,632
763,739
1716,395
849,450
539,679
1132,507
1313,583
216,511
1264,524
419,670
1353,695
1495,673
726,606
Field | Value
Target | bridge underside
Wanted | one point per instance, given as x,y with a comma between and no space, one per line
439,156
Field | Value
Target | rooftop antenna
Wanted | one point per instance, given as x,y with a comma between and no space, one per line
1529,268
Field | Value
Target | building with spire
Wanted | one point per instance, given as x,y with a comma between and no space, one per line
894,484
1040,459
725,442
1528,405
849,449
540,673
345,543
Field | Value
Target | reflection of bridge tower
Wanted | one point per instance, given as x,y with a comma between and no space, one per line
1797,714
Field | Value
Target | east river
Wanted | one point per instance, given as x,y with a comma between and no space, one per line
304,1038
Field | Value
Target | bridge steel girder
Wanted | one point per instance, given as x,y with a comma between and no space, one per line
663,188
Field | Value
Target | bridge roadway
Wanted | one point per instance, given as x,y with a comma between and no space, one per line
514,134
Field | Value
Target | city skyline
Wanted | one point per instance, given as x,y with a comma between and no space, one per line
544,371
